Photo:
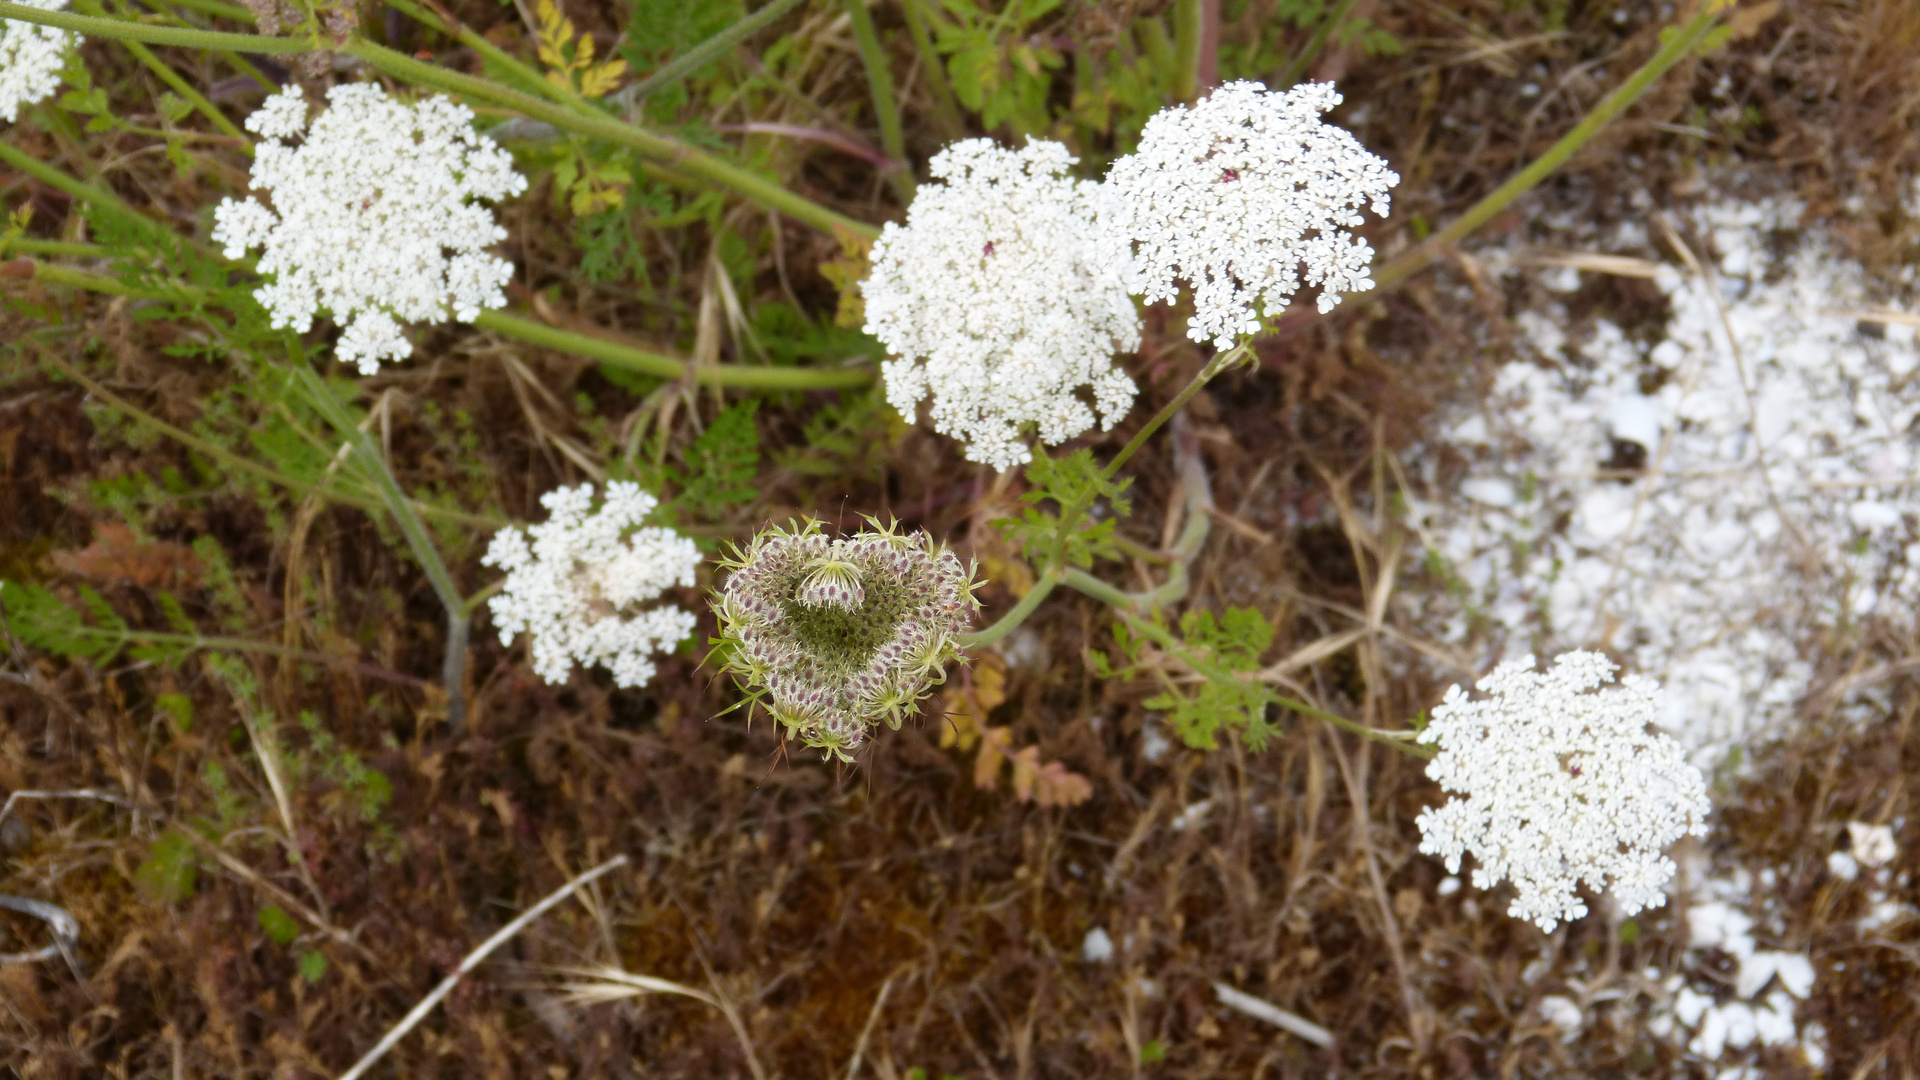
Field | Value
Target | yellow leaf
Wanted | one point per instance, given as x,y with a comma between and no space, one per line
558,79
989,683
1746,23
960,729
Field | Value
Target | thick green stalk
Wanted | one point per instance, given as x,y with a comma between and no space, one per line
666,367
1679,45
885,109
702,54
27,246
125,30
1186,49
1012,619
48,273
216,7
458,620
657,147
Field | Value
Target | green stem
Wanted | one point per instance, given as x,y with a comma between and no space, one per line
50,274
1679,45
657,147
880,82
1012,619
79,189
529,78
173,80
51,247
216,7
1219,363
666,367
124,30
401,507
946,107
1186,49
702,54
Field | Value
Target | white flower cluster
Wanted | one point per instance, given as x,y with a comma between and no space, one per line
31,56
568,590
369,205
1562,786
1236,195
993,299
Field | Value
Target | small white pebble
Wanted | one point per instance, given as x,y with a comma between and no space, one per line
1098,947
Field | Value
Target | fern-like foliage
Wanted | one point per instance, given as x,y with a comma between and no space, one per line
719,466
1226,652
94,631
1073,480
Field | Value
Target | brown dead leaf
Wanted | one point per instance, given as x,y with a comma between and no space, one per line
116,556
994,744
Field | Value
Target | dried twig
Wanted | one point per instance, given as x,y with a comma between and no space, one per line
473,960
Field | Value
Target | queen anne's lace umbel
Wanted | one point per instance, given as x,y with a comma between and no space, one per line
574,589
375,216
992,299
1237,196
1564,783
837,636
31,56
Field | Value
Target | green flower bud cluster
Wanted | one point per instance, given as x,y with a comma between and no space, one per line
835,636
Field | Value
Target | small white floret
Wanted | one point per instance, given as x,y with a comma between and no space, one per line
31,57
376,217
1872,844
1098,947
575,588
995,304
1246,196
1563,783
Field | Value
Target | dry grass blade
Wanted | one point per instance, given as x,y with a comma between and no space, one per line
1273,1014
1593,262
597,985
1311,653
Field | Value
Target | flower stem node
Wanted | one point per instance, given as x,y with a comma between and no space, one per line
836,636
1563,783
576,588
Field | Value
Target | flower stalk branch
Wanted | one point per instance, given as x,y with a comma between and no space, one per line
458,617
658,148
